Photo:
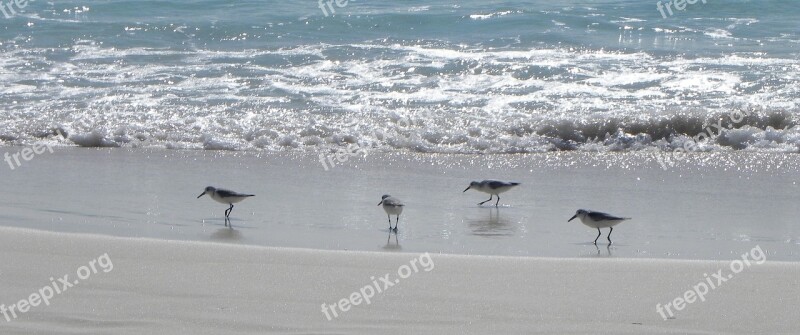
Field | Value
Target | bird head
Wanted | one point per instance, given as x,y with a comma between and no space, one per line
209,189
581,213
383,198
471,185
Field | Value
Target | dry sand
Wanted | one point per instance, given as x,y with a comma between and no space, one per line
178,287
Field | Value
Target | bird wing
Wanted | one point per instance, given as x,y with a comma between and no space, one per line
599,216
226,193
393,202
495,184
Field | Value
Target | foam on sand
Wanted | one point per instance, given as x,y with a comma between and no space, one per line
169,287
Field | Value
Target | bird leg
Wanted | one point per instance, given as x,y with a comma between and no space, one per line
598,236
609,234
498,201
490,199
395,223
228,211
390,221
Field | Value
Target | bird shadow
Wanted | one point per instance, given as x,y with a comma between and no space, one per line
226,234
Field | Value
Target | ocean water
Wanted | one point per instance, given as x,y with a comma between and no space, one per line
469,77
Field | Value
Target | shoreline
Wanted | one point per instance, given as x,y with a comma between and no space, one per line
264,248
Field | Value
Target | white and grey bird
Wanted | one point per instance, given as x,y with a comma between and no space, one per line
392,206
598,220
226,197
493,187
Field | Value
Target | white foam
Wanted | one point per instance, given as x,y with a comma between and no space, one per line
93,139
544,98
491,15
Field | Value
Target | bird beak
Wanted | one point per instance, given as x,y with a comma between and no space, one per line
467,189
572,218
201,194
380,203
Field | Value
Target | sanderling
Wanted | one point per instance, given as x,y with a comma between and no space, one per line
392,206
225,197
493,187
598,220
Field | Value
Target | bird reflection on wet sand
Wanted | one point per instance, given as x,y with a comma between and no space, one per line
392,246
494,225
607,252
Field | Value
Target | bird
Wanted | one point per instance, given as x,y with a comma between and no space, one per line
392,206
598,220
493,187
225,197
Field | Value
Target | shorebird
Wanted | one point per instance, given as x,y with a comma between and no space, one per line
598,220
225,197
392,206
493,187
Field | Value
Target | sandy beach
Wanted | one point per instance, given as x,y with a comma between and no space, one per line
142,254
178,287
